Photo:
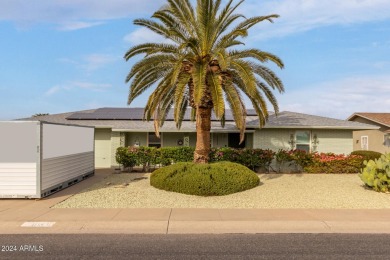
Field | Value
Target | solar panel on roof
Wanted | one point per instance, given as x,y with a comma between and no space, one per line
127,113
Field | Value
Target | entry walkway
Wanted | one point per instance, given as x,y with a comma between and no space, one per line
37,216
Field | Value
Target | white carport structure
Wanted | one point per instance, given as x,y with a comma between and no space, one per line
39,158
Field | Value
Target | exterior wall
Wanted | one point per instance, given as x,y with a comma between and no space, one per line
18,179
115,144
336,141
170,139
375,137
67,159
58,170
273,139
19,159
103,148
375,141
249,140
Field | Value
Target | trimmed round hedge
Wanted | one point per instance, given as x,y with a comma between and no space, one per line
213,179
367,155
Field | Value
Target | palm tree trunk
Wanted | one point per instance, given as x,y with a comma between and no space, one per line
203,125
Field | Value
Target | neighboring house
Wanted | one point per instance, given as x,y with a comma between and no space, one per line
115,127
375,140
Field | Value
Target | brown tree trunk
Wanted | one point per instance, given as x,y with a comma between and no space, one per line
203,126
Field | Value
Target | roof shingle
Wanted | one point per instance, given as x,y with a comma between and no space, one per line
381,118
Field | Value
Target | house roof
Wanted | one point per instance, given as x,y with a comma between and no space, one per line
379,118
126,113
130,119
288,119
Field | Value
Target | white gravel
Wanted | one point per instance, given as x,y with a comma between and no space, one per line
275,191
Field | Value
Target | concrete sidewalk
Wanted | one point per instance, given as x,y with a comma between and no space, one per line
41,218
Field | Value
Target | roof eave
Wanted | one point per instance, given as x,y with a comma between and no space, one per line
369,119
318,127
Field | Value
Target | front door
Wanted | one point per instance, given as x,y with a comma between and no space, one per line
102,148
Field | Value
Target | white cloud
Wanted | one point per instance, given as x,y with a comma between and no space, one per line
96,61
71,26
296,15
92,86
73,14
143,35
53,90
303,15
340,99
77,85
91,62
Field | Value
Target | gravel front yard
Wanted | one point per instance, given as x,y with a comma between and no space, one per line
275,191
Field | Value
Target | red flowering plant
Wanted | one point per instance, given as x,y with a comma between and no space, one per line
334,163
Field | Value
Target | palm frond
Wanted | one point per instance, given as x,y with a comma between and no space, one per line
237,107
245,72
270,77
180,94
215,83
199,78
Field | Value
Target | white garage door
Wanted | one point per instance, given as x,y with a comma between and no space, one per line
102,148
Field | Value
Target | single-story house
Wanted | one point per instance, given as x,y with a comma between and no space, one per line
372,139
116,127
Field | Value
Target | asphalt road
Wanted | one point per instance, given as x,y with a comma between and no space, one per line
260,246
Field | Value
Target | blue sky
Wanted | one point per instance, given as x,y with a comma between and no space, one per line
67,55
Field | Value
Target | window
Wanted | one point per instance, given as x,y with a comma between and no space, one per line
302,139
364,142
154,141
387,140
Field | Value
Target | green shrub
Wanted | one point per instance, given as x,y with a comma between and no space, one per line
367,155
283,157
299,158
253,158
223,154
177,154
250,158
302,158
123,157
213,179
376,174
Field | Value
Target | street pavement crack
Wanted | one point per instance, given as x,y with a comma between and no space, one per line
326,225
169,218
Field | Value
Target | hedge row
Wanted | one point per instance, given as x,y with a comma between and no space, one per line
150,156
251,158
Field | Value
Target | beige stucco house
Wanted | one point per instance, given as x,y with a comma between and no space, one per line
375,139
115,127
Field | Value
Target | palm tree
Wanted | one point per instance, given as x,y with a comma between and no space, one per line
199,68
